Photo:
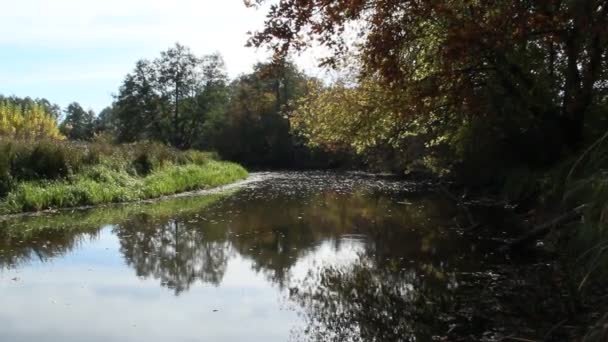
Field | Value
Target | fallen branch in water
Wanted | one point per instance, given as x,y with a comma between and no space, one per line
545,228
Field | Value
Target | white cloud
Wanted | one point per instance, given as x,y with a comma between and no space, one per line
205,26
78,41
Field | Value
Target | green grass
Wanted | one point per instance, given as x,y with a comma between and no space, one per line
101,184
191,177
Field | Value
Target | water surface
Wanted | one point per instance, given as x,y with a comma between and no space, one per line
306,256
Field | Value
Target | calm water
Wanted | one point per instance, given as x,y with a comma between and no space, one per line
291,257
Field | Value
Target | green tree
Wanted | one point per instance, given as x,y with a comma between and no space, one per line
177,99
178,79
106,121
257,130
138,106
78,123
203,113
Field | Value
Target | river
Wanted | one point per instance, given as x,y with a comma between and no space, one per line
291,256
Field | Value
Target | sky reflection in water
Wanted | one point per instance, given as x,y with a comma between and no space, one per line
275,261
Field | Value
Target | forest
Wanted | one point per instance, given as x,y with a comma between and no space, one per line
502,101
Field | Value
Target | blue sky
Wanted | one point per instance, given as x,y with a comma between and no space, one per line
76,50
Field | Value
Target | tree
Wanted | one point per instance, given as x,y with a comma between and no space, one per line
178,79
106,121
177,98
203,115
138,106
524,73
26,119
25,103
78,123
257,130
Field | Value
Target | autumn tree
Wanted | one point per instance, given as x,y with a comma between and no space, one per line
24,119
524,74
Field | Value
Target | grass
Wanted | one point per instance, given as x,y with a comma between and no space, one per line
191,177
110,186
52,175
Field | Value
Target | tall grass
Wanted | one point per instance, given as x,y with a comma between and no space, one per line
583,245
191,177
583,179
49,175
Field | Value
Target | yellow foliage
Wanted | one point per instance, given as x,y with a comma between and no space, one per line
360,117
30,122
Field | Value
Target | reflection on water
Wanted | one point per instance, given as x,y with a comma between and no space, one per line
300,256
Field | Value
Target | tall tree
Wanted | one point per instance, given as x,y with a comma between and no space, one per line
528,71
257,129
178,79
78,123
138,105
178,99
203,115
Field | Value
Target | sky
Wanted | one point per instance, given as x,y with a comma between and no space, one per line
77,50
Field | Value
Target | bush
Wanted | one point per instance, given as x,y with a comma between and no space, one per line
143,164
47,162
58,174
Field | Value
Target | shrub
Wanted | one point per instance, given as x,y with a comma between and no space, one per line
143,164
47,162
55,174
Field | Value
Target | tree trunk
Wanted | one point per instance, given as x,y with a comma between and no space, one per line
176,138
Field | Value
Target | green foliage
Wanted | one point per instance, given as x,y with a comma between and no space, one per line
48,161
101,184
257,131
52,174
177,99
191,177
489,85
78,123
187,102
368,119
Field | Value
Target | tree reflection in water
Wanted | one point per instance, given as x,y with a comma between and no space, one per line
176,252
364,302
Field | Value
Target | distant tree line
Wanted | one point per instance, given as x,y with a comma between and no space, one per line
188,101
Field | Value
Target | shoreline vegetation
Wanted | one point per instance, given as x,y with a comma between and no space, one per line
54,174
95,218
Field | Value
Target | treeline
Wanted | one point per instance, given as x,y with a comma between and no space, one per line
476,89
35,119
188,101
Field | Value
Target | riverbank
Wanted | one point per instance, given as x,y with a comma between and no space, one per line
55,175
558,213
